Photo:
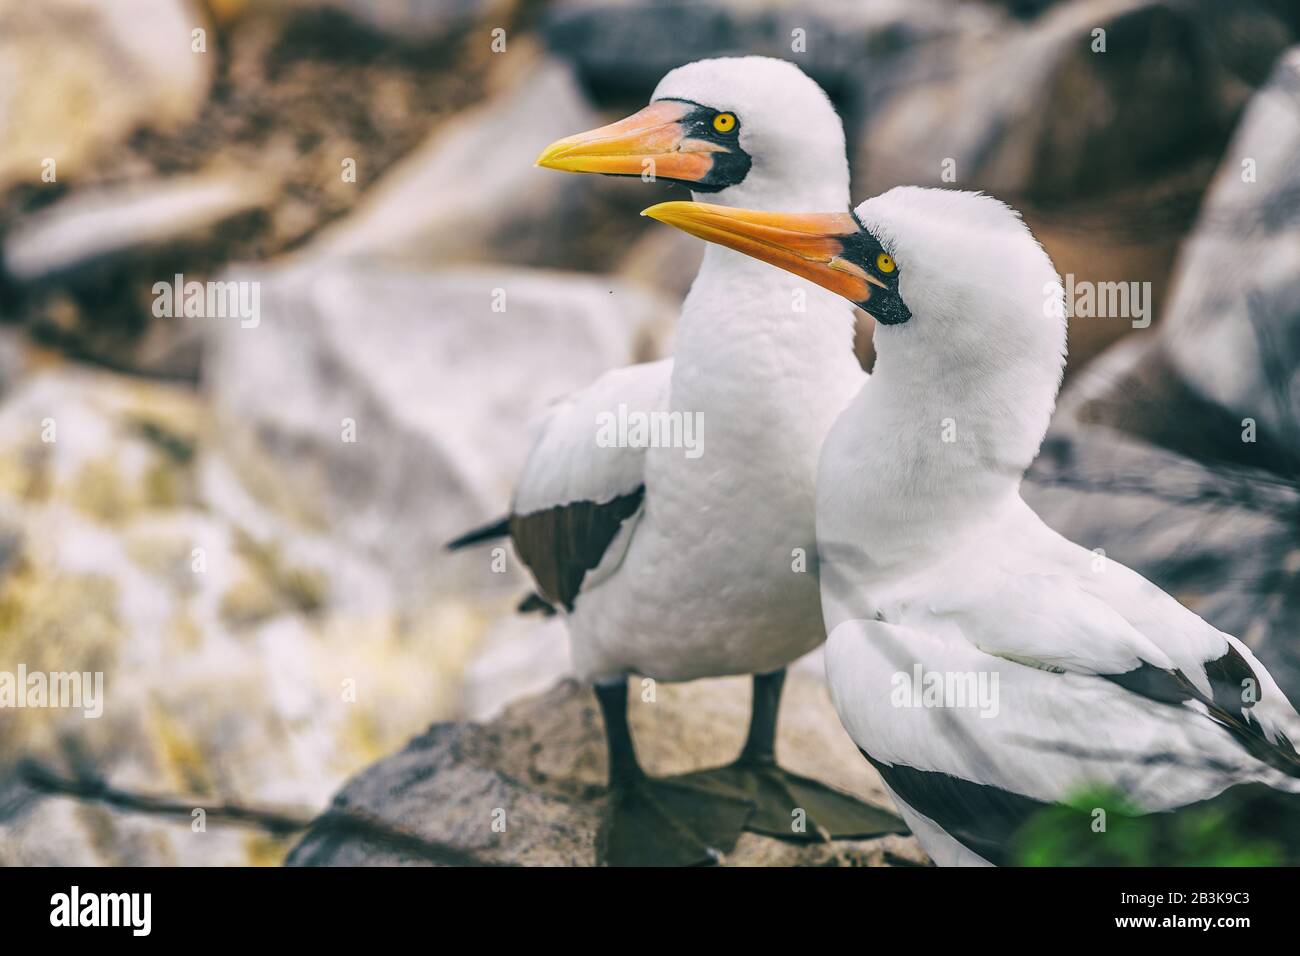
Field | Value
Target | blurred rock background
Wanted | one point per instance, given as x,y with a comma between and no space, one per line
181,506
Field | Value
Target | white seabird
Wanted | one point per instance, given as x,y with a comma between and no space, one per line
680,563
985,665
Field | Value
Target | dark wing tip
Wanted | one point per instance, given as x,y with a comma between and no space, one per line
497,529
561,544
535,603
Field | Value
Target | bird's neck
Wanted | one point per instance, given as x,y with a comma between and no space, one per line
919,462
767,359
746,325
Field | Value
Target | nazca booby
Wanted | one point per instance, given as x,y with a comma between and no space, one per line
984,664
677,565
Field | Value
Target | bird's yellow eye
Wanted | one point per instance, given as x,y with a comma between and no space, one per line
885,262
724,122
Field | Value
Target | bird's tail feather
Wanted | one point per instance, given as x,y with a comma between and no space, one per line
497,529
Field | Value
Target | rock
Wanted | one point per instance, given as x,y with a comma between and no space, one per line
622,48
245,658
88,264
311,111
470,192
404,19
540,767
1179,453
1217,535
12,358
1024,9
1136,464
1032,113
439,388
94,224
77,74
1233,326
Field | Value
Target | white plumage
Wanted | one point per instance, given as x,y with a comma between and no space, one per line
931,558
686,560
986,666
702,582
568,464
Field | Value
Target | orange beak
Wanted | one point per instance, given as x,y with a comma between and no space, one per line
651,143
809,245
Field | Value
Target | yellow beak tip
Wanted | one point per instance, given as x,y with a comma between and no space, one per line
658,209
547,157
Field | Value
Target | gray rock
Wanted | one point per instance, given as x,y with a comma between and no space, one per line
442,390
406,19
1138,465
307,101
1178,453
85,267
1233,326
622,48
1025,9
92,225
13,356
471,193
1030,112
540,767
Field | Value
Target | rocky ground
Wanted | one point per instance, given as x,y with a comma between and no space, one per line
538,772
242,526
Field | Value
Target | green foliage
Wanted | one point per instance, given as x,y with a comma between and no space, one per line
1245,826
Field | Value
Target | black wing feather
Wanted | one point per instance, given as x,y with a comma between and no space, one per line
1228,704
561,544
497,529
